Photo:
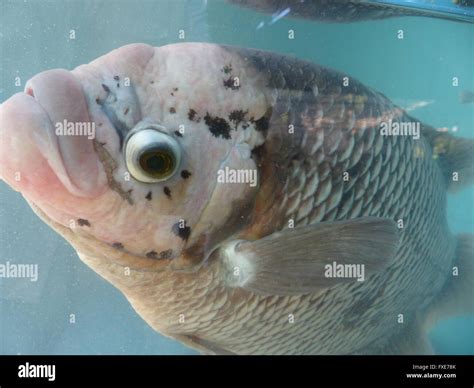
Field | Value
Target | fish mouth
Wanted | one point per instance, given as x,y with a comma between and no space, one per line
41,145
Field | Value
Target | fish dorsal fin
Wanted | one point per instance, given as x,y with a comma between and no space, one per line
311,258
456,156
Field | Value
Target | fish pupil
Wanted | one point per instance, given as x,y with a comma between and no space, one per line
157,162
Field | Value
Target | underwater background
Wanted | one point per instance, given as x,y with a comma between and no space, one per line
417,70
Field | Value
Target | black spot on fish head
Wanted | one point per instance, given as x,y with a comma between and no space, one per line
229,83
192,114
168,254
151,255
167,191
262,124
117,245
148,196
83,222
185,174
172,110
227,69
181,230
218,126
237,116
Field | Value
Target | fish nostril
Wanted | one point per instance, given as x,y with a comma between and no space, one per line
29,91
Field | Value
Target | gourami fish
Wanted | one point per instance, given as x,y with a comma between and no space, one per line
143,160
345,11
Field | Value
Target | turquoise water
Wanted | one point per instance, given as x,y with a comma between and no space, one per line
35,317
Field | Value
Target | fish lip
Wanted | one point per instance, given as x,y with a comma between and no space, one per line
52,151
60,151
46,146
29,91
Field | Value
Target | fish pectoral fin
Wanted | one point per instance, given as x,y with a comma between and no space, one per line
310,258
457,295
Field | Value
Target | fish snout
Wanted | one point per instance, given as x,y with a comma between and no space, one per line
49,135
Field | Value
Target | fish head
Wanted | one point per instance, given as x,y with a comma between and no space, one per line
122,156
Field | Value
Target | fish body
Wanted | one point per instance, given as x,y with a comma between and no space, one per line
344,178
345,11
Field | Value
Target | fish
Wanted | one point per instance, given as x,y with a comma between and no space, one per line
244,201
347,11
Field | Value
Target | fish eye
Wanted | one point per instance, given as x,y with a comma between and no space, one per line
152,156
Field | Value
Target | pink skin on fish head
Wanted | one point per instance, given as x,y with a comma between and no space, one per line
71,182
